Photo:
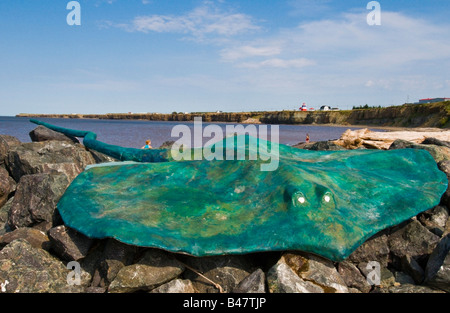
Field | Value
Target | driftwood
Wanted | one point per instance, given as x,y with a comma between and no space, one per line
383,140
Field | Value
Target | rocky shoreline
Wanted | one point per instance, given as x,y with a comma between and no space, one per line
37,250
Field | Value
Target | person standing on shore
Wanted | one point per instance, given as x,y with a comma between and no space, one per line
307,138
148,145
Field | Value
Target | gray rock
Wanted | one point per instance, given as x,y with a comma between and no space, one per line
437,271
95,290
176,286
7,186
407,288
4,212
437,142
24,269
375,249
167,145
282,279
353,277
439,153
35,200
317,270
49,156
69,244
412,239
6,143
42,133
435,219
386,277
101,157
445,167
403,278
36,238
410,266
152,270
114,256
227,271
254,283
324,146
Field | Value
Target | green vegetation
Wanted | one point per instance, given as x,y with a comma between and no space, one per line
366,107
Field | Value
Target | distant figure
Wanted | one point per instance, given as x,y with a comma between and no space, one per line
148,145
307,138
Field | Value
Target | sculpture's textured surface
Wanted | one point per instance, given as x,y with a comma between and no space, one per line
326,203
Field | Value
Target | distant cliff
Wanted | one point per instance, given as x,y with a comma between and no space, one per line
410,115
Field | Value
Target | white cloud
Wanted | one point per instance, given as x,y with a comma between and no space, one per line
202,21
279,63
235,53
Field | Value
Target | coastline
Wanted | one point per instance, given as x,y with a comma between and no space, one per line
428,117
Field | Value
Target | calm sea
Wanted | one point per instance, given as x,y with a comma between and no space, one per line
133,134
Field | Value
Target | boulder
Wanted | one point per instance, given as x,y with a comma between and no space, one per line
152,270
254,283
25,269
407,288
167,145
49,156
35,237
101,157
7,186
377,276
403,278
437,142
35,200
6,143
176,286
282,279
437,271
69,244
413,239
4,211
42,133
374,249
445,167
114,256
439,153
353,277
410,266
324,146
227,271
317,270
434,220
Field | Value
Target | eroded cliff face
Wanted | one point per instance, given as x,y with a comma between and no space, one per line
424,115
428,115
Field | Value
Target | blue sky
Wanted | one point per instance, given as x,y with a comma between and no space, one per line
228,55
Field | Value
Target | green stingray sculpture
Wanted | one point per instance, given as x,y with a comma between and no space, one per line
327,203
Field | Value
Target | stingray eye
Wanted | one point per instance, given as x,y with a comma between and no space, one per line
299,199
327,197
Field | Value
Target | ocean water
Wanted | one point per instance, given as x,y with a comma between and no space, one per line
134,133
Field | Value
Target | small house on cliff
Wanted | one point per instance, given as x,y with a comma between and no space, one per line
433,100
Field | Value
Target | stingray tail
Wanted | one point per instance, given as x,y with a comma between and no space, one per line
120,153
